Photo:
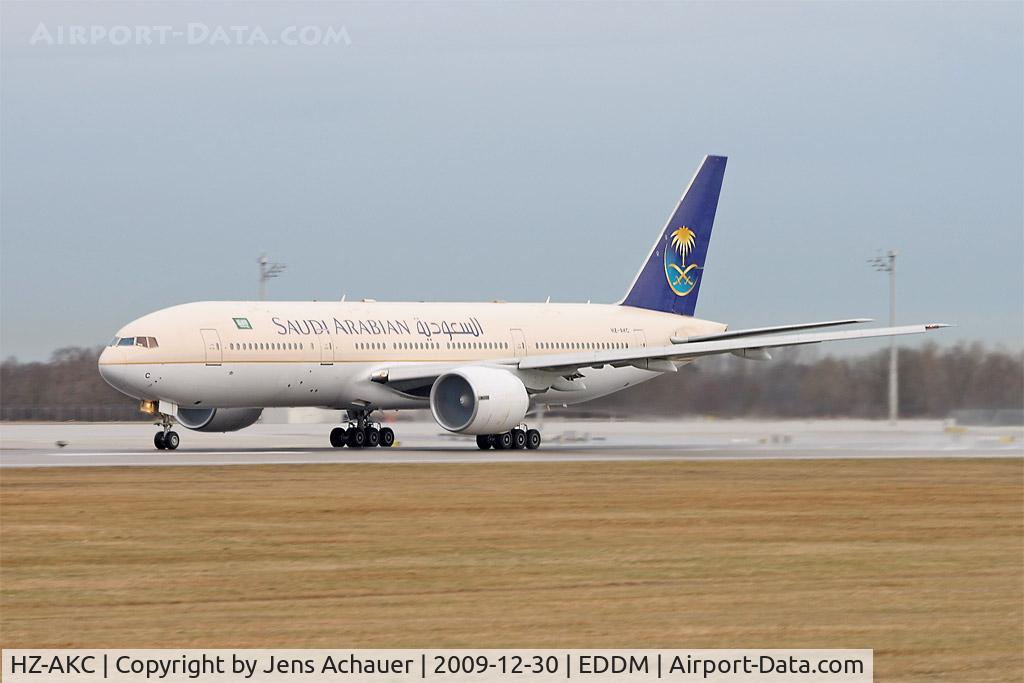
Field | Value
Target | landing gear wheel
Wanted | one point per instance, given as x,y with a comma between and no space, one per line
532,439
356,438
483,441
503,441
171,440
158,441
387,437
338,435
518,438
372,437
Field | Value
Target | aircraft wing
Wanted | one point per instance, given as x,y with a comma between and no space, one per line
657,358
660,358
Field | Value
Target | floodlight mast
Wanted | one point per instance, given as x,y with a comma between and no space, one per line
887,264
268,270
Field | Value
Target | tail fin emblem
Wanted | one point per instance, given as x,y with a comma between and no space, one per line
680,276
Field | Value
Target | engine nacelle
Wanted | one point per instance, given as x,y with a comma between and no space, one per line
478,400
217,419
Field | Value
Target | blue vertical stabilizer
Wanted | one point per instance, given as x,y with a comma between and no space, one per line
670,278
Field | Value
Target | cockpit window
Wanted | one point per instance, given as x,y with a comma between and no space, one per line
144,342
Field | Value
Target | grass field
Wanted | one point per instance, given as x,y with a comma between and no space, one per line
921,560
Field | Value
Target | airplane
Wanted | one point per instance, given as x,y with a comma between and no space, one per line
480,368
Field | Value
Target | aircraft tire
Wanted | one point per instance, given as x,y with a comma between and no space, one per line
532,439
171,440
503,441
483,441
518,438
356,438
158,441
387,437
338,436
372,437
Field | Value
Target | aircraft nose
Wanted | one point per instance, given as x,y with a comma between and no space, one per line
112,368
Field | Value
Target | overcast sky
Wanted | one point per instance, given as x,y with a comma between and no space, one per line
514,151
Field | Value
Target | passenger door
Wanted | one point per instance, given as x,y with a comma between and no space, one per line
518,343
639,339
326,352
211,347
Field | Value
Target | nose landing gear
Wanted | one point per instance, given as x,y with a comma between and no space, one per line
166,439
518,438
360,432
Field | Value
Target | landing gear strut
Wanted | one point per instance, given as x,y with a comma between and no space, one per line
360,431
165,439
517,438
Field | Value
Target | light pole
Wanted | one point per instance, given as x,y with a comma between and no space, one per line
887,264
267,271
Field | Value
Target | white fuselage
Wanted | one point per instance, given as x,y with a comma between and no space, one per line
263,354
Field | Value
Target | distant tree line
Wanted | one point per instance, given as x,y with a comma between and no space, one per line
68,387
797,383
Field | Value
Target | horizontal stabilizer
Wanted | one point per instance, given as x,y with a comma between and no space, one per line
753,331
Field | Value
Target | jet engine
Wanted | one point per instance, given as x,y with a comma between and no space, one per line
478,400
217,419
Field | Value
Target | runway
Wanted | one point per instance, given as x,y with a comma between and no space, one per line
129,444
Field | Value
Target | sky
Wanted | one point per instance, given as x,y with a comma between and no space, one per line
480,151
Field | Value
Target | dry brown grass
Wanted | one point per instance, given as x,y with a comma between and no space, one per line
920,560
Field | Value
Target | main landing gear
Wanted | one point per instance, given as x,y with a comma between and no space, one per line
520,438
361,432
165,439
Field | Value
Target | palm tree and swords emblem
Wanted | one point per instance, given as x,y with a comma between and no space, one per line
680,276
